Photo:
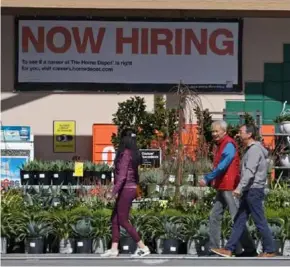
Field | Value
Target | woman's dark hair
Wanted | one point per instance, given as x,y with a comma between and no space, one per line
128,141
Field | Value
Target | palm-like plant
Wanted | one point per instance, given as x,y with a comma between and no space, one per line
191,224
165,227
101,226
61,222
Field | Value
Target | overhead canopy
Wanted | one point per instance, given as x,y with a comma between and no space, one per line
239,5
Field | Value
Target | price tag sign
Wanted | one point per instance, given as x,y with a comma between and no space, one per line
79,169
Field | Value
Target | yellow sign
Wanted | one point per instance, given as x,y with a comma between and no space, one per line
64,140
79,169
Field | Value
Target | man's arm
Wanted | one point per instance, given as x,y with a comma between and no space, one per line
254,157
226,159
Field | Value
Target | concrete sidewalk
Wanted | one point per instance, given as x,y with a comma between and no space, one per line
125,260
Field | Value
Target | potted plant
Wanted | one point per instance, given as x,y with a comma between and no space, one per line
62,221
286,248
37,231
277,227
42,172
105,173
188,171
169,232
57,172
55,196
127,244
284,157
283,120
13,224
88,169
101,231
83,231
169,168
27,172
202,239
191,224
69,169
151,179
5,235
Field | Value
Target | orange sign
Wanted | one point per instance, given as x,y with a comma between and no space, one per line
103,149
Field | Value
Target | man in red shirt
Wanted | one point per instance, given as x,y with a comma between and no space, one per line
224,178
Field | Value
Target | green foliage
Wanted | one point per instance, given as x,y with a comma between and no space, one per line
149,126
282,118
157,219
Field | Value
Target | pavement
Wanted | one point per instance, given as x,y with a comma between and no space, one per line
125,260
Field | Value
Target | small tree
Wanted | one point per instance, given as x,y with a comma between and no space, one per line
159,126
132,114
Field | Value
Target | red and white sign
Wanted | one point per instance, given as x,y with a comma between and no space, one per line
130,52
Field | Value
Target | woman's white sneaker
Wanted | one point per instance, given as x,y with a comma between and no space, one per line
111,253
141,252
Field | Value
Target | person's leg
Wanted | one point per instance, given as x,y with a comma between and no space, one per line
215,221
246,240
115,229
255,200
123,210
114,252
239,226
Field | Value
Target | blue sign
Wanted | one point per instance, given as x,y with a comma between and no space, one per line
10,169
15,133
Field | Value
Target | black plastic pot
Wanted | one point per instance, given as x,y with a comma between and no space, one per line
51,244
84,245
58,178
105,177
202,247
171,246
127,245
26,177
279,245
35,245
15,247
72,180
43,177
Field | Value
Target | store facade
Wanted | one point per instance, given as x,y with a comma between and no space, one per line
263,44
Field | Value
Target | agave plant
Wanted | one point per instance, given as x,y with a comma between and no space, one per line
203,231
57,166
277,227
83,228
36,229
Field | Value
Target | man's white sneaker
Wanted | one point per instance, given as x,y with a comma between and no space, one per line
111,253
141,252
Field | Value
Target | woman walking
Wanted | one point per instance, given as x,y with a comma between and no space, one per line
127,161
